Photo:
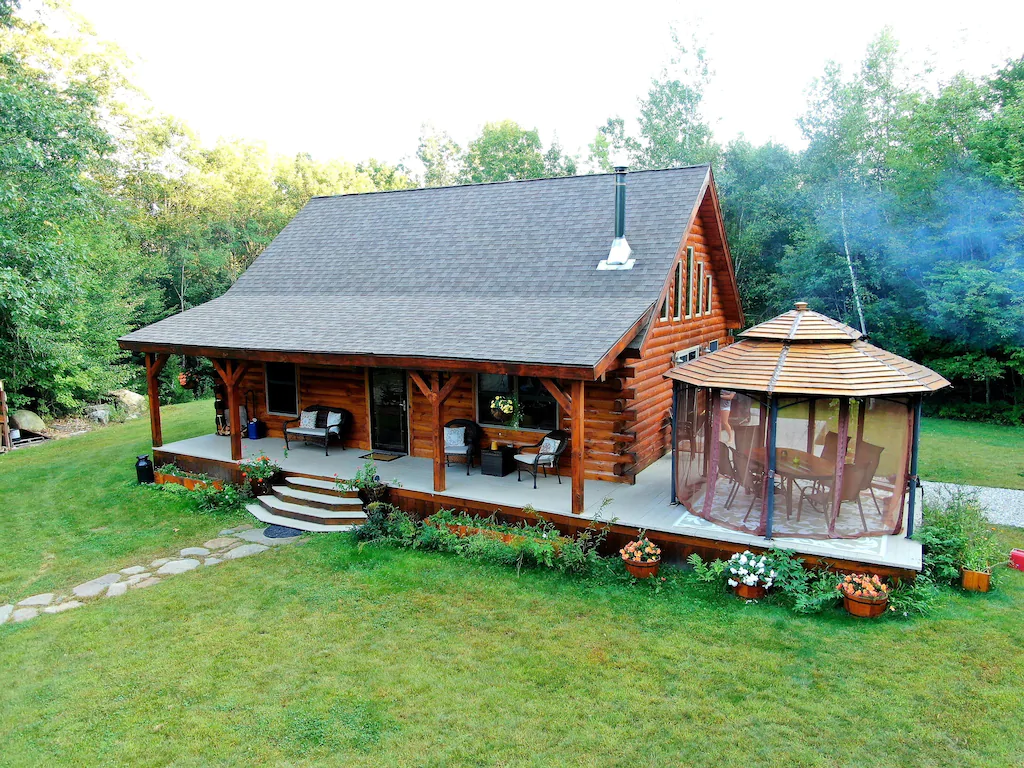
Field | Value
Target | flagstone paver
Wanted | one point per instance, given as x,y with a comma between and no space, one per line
220,542
118,589
65,606
248,549
96,586
24,614
40,600
232,544
177,566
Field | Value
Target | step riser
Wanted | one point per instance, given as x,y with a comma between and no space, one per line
340,506
263,516
340,519
326,491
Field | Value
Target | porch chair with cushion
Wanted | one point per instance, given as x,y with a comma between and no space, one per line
550,449
319,424
461,438
857,478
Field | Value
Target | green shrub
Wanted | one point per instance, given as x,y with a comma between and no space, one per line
229,500
955,534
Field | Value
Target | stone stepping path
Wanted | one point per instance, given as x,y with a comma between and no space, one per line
230,544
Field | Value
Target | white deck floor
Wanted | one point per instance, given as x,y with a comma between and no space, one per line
647,504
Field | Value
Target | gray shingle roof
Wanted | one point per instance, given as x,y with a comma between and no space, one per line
501,272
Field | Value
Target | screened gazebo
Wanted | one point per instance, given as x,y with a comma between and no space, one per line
801,428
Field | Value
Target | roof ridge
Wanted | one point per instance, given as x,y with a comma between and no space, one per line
507,181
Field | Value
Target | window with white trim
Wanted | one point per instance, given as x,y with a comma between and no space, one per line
664,309
700,289
689,281
677,292
707,295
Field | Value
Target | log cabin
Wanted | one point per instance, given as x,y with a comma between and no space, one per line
570,297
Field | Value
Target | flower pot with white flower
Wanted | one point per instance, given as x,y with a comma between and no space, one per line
750,575
863,595
642,557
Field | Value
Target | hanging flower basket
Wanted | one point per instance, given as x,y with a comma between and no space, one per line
503,408
187,380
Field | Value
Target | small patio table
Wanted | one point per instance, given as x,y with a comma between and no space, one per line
792,464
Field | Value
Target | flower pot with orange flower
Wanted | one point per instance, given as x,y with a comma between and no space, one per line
750,575
863,595
642,557
261,473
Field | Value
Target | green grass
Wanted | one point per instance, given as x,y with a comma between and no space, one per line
71,509
971,453
328,654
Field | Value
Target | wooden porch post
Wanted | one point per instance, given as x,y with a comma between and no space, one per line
5,426
154,364
231,372
578,446
436,395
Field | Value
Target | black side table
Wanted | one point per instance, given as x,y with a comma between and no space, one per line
498,463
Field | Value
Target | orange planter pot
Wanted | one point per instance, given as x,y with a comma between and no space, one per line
864,607
747,592
643,570
975,581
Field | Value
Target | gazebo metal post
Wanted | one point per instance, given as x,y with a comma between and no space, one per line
913,466
769,498
675,436
840,471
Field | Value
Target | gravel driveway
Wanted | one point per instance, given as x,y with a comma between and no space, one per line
1004,506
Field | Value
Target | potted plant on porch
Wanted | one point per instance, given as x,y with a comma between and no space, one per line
863,595
368,483
642,557
750,575
260,472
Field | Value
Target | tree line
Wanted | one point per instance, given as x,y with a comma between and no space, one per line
902,214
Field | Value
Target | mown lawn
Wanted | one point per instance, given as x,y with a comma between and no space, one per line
974,454
327,654
71,508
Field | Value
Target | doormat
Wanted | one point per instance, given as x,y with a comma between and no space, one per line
382,456
280,532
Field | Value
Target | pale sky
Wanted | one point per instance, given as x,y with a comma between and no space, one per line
357,79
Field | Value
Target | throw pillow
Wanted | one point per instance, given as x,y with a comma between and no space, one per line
333,419
550,445
454,437
307,419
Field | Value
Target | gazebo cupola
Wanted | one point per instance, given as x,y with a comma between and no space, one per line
801,428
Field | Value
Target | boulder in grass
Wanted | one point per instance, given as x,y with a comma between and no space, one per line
28,421
130,403
98,413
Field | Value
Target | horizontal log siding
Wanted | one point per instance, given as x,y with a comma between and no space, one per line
652,401
339,387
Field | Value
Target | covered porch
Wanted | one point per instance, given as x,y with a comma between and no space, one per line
646,504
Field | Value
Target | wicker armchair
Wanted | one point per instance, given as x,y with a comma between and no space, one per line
471,442
547,456
330,423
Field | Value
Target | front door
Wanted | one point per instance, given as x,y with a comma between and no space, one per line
388,407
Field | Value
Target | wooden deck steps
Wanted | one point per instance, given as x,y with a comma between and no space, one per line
265,516
310,504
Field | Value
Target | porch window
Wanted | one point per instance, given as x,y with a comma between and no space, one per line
282,389
536,407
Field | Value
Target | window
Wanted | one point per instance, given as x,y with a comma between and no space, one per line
537,408
664,309
707,295
686,355
677,292
700,287
689,281
282,389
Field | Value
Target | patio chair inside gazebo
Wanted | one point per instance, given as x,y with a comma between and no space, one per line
801,428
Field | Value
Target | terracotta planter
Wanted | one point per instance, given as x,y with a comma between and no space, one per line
864,607
975,581
643,570
746,592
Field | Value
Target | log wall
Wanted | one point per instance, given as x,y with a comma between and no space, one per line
652,400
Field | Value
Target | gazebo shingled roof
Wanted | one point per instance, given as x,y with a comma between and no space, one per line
802,352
